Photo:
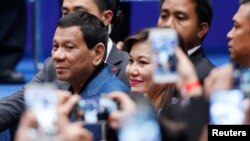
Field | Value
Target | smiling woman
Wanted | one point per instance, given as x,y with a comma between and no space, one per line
139,70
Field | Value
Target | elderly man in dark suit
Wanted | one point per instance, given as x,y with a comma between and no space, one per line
192,19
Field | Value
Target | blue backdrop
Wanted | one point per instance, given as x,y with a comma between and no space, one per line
143,14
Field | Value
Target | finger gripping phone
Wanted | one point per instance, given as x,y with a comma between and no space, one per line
164,42
96,109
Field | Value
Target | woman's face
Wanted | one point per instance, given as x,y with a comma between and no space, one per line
139,69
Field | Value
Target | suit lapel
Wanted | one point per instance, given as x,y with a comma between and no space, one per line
114,59
197,54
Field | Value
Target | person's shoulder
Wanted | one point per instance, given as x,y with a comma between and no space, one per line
122,52
116,84
200,60
202,64
46,73
48,63
108,82
113,84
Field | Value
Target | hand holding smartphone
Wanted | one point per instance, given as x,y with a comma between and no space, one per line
42,101
164,41
95,110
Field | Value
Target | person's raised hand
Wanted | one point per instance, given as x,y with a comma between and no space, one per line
26,127
127,108
220,78
67,130
188,83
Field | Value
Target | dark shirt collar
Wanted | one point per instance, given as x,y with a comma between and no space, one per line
93,75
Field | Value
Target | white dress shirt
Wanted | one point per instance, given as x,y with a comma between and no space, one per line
192,50
109,47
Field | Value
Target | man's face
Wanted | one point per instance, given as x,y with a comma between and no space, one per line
180,15
239,36
71,56
70,6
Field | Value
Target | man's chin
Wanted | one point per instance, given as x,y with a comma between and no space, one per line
61,77
237,60
232,57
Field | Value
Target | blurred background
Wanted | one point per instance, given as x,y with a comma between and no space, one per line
42,16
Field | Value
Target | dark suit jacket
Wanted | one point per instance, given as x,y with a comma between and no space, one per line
118,61
12,33
11,107
202,65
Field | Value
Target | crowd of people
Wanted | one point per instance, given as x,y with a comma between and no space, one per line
87,65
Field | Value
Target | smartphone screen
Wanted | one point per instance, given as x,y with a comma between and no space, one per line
42,101
242,80
164,41
226,107
96,110
140,127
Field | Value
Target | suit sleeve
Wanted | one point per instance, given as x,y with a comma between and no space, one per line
122,75
12,106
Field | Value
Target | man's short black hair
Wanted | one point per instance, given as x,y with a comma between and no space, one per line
93,30
244,1
204,11
113,5
103,5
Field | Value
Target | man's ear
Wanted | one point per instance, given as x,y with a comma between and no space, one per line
204,27
99,52
107,17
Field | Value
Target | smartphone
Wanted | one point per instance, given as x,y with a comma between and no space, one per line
226,107
141,126
164,42
95,115
89,108
42,101
96,110
242,80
